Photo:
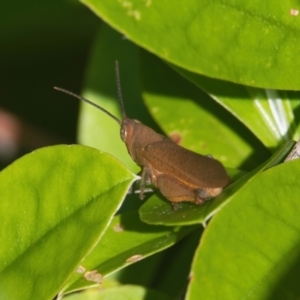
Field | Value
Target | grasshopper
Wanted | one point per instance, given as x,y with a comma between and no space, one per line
179,174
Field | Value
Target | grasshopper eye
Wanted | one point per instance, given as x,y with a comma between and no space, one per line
123,133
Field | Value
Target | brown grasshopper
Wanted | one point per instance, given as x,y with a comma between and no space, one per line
179,174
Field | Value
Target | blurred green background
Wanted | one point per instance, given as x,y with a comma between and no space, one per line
43,44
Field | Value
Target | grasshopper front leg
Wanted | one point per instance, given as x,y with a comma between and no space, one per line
145,179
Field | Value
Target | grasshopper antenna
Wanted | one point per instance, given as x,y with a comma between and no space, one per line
89,102
119,90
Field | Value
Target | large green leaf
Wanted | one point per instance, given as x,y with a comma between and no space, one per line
251,248
195,119
127,237
55,205
269,114
251,43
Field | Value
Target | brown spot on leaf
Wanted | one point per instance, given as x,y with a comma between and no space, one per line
134,258
80,270
294,12
93,276
118,228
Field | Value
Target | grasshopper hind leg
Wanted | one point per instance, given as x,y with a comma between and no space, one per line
173,189
177,191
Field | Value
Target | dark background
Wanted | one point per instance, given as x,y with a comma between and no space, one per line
42,44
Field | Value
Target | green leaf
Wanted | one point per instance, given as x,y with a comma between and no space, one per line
255,242
132,273
126,241
172,277
55,205
198,123
127,292
269,114
95,128
242,42
160,211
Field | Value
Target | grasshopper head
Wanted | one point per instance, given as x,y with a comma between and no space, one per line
127,129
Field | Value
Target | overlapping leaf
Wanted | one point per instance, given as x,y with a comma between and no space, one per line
191,118
127,240
255,242
242,42
55,205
